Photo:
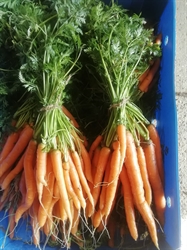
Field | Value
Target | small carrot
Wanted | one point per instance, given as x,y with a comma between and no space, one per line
102,196
77,163
22,187
121,132
87,162
144,174
133,169
41,165
128,204
18,149
59,175
11,222
74,177
112,180
33,212
12,174
70,116
155,181
29,163
144,85
70,190
94,145
143,75
102,162
9,145
47,194
95,159
154,136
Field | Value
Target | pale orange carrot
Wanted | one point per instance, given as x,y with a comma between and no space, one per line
29,163
70,116
18,149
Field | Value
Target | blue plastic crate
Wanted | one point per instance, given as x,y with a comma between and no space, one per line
161,14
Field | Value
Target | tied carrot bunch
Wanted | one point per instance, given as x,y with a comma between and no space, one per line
121,51
46,154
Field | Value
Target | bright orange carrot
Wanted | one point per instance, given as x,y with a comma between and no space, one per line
29,163
144,174
144,85
70,116
136,183
102,196
102,162
133,170
33,212
154,136
77,163
121,132
74,177
155,181
94,145
112,180
9,144
95,159
87,162
47,194
143,75
12,174
18,149
69,187
129,204
41,165
59,175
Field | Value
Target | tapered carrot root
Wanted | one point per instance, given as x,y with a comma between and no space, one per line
129,204
29,163
94,145
155,181
144,85
17,150
136,182
154,136
144,174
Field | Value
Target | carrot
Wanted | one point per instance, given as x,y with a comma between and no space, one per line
154,136
133,170
155,181
4,175
102,196
74,177
61,210
33,212
13,173
41,164
144,174
77,163
70,116
59,175
5,194
112,180
95,159
144,85
22,186
128,204
29,163
47,194
136,183
94,145
9,145
18,149
87,162
102,162
121,132
143,75
148,217
69,187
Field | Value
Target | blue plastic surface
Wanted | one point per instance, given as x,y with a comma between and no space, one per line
162,12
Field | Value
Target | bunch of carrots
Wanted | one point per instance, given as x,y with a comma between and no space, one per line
48,170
